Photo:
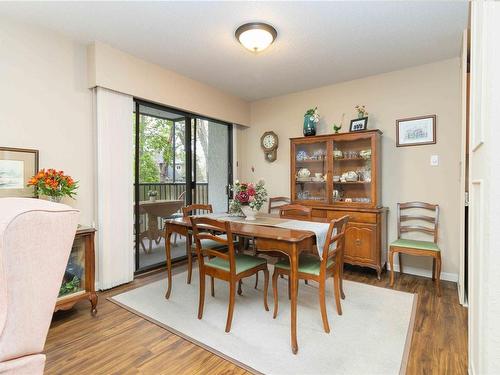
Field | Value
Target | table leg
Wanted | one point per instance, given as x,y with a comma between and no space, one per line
294,287
168,234
342,294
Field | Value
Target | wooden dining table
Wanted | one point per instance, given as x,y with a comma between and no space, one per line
154,210
290,242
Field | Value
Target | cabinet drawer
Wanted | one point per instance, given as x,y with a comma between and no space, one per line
318,213
357,217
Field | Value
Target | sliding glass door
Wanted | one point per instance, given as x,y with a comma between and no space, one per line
180,159
213,164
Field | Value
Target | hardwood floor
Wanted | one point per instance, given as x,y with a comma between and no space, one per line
119,342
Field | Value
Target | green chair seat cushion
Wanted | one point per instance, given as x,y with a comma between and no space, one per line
416,244
308,263
243,263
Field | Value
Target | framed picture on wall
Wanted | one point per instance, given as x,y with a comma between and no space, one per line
17,166
416,131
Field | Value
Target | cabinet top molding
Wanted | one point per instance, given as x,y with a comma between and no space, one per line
340,134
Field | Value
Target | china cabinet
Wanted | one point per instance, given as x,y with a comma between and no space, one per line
339,174
79,277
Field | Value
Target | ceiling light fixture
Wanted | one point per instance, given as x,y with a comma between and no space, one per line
256,36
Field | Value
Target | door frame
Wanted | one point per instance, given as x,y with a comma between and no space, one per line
464,168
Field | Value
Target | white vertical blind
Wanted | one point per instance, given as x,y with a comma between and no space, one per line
115,195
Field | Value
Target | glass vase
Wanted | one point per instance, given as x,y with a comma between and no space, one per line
309,126
55,199
249,212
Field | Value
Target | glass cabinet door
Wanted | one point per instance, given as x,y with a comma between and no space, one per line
352,171
74,276
311,172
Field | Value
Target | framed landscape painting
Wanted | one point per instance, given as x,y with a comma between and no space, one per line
416,131
17,166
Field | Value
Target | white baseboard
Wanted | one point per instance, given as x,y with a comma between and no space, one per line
447,276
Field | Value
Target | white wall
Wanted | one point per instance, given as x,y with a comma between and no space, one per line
406,171
122,72
45,104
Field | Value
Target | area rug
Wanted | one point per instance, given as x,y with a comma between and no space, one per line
371,337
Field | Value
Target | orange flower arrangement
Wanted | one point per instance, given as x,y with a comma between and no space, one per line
54,184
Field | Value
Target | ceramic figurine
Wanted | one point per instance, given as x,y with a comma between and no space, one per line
303,173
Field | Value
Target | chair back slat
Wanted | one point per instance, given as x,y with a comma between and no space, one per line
296,211
196,209
337,226
205,228
276,202
415,206
429,219
417,228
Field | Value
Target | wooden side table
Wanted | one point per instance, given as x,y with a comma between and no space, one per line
79,279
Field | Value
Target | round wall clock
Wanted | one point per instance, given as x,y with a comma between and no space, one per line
269,144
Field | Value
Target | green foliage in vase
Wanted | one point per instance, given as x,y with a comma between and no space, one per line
361,109
70,286
248,194
313,114
52,183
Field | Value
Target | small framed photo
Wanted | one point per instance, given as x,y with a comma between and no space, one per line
17,166
416,131
358,124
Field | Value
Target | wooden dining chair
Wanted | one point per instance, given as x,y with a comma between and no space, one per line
406,213
287,211
178,214
311,267
276,202
229,266
296,211
195,209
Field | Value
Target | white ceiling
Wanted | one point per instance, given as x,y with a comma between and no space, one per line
319,43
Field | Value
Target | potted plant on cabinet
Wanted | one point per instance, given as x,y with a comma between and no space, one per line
54,184
311,118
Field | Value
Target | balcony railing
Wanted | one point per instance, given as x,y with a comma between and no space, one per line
173,190
170,191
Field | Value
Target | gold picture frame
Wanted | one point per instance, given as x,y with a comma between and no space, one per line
17,166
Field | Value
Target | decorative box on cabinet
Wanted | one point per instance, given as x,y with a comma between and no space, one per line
339,174
79,277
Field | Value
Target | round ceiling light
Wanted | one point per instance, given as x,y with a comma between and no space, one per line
256,36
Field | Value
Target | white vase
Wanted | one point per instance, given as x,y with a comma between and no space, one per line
248,212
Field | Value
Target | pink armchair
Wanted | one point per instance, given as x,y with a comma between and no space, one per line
35,242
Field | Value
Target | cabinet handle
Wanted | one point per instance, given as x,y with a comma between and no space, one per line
358,242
